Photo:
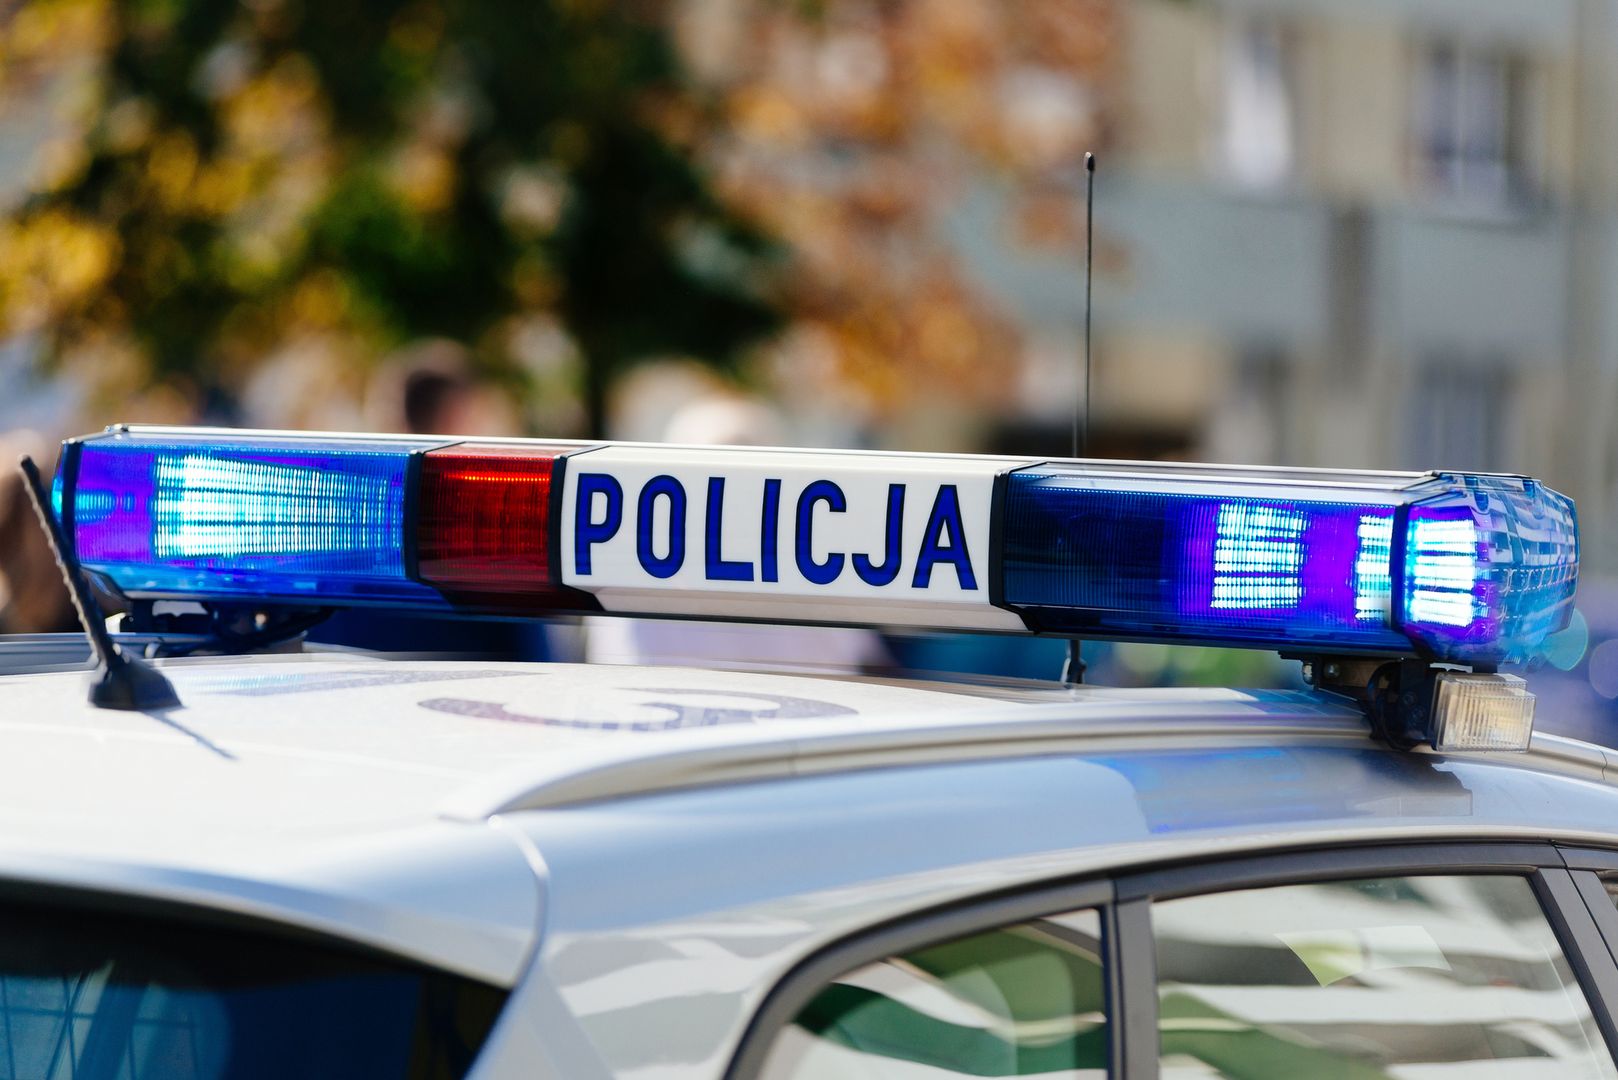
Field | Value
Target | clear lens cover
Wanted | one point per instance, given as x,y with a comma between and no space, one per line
1481,712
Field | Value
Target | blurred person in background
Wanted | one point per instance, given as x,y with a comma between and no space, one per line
33,599
431,388
729,420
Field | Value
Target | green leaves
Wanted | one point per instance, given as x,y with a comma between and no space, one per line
379,171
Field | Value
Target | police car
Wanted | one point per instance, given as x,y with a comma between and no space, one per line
272,860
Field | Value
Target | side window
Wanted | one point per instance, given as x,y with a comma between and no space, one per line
1022,1000
1407,976
98,995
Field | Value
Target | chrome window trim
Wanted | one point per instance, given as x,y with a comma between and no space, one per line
1335,864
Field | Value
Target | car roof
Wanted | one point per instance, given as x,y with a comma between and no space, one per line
436,809
350,794
272,749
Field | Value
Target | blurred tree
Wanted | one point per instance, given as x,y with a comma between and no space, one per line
242,175
867,135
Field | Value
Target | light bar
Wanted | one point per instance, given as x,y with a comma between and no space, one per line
1474,569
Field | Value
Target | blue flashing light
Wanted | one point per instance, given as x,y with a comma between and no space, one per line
1483,568
1258,557
1491,565
1373,570
1441,571
288,519
1183,565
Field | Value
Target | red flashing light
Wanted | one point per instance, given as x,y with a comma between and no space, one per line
483,523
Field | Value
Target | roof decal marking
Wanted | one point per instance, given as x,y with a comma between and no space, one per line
315,682
681,715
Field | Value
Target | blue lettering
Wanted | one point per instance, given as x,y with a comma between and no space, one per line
769,527
670,489
945,518
718,568
821,573
587,532
889,569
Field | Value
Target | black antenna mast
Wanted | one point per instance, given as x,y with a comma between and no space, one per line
1073,671
120,681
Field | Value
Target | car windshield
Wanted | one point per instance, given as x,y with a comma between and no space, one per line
89,994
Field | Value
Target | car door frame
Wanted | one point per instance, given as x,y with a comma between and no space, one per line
1564,880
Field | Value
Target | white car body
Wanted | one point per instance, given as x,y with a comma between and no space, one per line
640,855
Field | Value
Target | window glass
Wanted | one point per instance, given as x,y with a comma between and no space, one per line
1024,1000
92,996
1468,114
1391,977
1259,124
1460,411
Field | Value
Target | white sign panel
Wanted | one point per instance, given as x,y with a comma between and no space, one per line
888,539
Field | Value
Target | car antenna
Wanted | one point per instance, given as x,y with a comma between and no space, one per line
120,681
1073,670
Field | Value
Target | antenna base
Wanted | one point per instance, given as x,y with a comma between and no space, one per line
131,685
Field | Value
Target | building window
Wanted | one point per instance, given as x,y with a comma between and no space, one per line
1249,423
1458,416
1259,134
1470,123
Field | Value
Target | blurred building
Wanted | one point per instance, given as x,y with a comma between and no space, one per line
1374,233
